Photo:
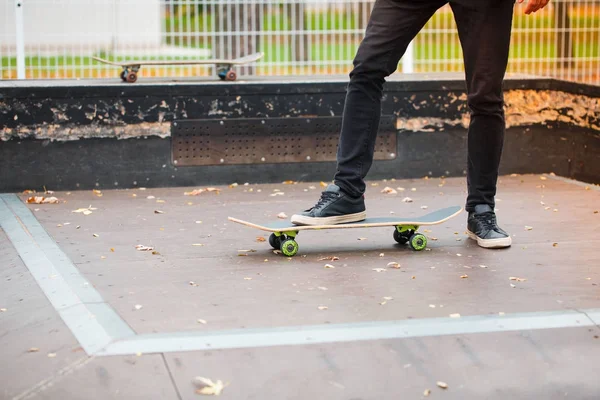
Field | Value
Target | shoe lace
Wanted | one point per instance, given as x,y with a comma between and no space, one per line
487,219
325,198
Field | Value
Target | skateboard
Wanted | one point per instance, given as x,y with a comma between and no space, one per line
224,67
283,236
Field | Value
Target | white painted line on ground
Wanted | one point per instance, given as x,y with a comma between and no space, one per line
95,324
304,335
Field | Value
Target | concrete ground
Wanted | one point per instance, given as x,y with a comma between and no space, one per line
85,315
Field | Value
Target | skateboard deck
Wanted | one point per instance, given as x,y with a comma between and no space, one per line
224,66
284,232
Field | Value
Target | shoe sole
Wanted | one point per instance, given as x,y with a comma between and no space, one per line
490,243
335,220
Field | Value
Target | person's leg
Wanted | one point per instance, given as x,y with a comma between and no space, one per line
484,28
392,26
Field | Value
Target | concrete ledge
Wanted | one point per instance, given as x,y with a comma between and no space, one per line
82,134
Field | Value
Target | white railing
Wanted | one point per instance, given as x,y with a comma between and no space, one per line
58,38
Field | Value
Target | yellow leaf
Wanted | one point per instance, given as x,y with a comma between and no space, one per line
441,384
393,265
208,387
42,200
464,276
289,182
426,392
323,184
329,266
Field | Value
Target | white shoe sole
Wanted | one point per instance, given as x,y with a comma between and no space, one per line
335,220
491,243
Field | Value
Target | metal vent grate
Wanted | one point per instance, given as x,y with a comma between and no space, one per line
269,140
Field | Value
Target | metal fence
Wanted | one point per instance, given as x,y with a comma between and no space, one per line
58,38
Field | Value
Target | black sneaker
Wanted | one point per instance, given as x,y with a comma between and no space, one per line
482,227
334,207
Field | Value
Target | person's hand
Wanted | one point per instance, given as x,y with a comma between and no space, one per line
534,5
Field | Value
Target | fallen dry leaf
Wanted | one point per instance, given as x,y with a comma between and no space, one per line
513,286
464,276
282,215
138,307
361,238
3,309
383,303
514,278
322,308
441,384
197,192
322,288
208,387
235,184
141,247
51,355
389,190
85,211
289,182
323,184
158,212
393,264
483,266
277,194
201,321
330,258
247,279
388,298
247,251
528,228
33,350
95,235
378,269
424,207
455,315
197,244
328,266
150,197
543,178
260,239
426,392
381,255
97,192
407,200
42,200
432,306
192,283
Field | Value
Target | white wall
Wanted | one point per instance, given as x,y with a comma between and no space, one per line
83,24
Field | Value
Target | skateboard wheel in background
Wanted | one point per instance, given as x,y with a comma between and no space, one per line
418,241
289,247
131,77
231,75
275,241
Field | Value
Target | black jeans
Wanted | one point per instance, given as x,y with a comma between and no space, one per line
484,29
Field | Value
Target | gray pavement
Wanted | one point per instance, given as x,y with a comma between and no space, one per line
130,313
